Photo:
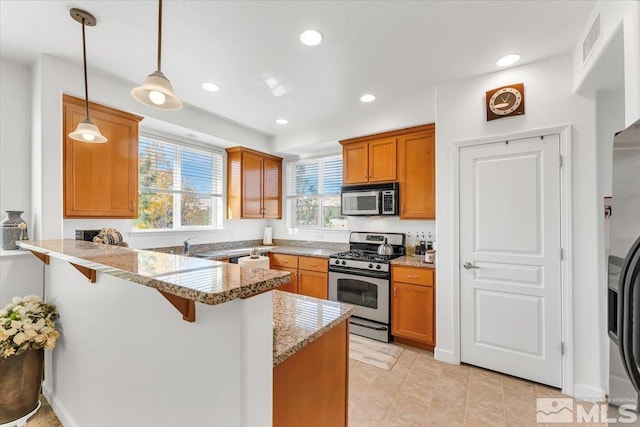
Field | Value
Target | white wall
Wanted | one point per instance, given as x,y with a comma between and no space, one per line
52,78
613,15
416,111
460,115
15,138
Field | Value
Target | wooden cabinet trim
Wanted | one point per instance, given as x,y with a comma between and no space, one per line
72,100
398,132
240,149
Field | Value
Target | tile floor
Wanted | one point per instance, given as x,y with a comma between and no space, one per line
420,391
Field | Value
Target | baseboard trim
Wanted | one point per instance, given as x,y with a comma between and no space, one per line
413,343
446,356
57,407
582,391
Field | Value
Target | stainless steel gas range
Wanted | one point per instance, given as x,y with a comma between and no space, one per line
361,278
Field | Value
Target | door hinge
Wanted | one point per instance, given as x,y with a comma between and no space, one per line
561,254
562,348
561,161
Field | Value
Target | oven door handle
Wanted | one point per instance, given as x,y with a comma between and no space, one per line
361,273
375,328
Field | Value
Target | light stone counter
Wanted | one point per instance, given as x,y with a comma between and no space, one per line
299,320
288,250
412,261
208,282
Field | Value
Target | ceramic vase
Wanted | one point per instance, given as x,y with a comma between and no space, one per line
9,227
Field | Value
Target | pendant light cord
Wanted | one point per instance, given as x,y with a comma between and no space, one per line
159,33
84,60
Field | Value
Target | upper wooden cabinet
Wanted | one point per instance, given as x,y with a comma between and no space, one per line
100,180
369,160
417,174
404,155
254,184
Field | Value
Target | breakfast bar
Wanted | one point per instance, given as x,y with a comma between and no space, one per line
127,357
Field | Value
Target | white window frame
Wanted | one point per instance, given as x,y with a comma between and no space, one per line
216,222
291,199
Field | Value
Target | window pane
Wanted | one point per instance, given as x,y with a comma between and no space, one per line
196,210
155,211
331,217
306,212
156,164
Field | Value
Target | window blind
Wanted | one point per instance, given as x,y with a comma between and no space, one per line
176,169
313,177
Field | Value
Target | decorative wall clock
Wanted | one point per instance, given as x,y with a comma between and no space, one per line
505,101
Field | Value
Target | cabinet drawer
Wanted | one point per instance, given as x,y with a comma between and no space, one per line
283,260
313,264
417,276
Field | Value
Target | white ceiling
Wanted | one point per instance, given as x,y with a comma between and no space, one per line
397,50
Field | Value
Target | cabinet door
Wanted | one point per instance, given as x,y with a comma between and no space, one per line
382,160
100,180
272,188
355,158
313,284
412,312
417,170
292,286
251,185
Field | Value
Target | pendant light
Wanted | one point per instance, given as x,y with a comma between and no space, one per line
156,91
86,131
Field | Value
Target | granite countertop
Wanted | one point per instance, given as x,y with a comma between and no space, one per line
299,320
288,250
208,282
412,261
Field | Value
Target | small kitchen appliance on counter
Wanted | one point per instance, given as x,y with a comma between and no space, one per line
362,277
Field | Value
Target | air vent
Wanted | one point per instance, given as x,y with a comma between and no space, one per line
591,39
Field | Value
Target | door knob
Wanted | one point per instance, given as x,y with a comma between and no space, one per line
468,265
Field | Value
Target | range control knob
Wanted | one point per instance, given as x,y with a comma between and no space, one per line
337,261
378,266
370,265
344,262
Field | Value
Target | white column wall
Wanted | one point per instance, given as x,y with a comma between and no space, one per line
15,138
126,357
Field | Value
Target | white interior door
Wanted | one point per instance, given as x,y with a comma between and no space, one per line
510,260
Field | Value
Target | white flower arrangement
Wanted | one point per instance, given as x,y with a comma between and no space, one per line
27,323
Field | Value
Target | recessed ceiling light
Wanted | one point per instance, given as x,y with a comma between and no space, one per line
211,87
282,121
507,60
311,37
367,98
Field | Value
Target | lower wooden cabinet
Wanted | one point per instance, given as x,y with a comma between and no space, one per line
310,388
308,274
413,305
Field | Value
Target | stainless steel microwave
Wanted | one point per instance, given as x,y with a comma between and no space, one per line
370,199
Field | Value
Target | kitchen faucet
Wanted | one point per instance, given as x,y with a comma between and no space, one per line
186,244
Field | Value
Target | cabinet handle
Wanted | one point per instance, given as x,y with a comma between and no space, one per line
133,205
402,207
395,288
313,265
411,276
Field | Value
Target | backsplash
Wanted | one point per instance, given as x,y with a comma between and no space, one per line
218,246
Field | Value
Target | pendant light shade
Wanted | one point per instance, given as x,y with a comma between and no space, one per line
86,131
156,91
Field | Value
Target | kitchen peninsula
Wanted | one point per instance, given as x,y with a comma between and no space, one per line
127,358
